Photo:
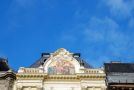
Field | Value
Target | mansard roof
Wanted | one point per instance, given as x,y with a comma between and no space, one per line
3,65
119,67
119,72
40,61
120,78
45,56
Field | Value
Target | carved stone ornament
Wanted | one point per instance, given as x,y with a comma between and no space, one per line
61,63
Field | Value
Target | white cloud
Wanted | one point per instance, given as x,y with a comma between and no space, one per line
121,8
106,31
98,29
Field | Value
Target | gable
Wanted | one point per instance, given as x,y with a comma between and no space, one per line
61,62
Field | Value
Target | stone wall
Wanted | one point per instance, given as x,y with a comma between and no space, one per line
7,80
2,85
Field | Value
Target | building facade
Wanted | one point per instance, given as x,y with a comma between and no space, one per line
63,70
7,76
60,70
119,76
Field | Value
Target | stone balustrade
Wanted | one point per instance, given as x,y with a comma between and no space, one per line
93,71
30,70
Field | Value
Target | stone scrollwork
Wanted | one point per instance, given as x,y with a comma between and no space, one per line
61,51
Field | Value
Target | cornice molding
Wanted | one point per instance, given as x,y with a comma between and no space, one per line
8,74
61,77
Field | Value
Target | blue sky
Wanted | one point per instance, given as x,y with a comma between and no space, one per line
101,30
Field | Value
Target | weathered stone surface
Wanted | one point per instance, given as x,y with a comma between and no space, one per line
7,76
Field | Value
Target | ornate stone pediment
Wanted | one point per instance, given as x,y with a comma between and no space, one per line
61,52
61,62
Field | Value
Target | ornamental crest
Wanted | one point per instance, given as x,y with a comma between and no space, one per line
61,63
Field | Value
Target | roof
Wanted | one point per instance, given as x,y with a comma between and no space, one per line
40,61
121,78
3,65
119,67
45,56
119,72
